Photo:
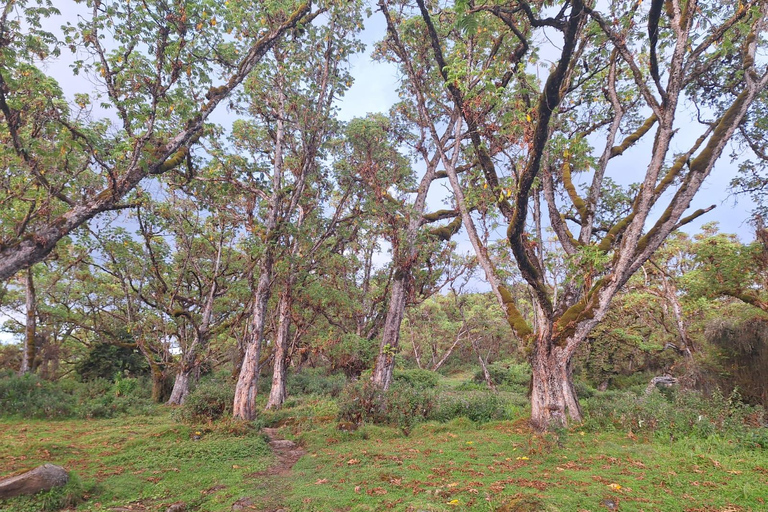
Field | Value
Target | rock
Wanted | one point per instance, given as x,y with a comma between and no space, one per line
243,504
42,478
177,507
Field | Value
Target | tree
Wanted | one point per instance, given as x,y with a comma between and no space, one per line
292,119
699,52
155,70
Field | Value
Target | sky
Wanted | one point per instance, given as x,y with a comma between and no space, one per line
375,90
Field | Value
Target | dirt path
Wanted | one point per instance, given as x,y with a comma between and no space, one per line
286,454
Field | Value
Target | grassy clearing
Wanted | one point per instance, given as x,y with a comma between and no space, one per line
150,462
145,463
503,466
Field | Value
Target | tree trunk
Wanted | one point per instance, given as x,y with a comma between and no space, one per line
180,386
553,397
385,361
483,364
244,406
30,329
277,393
158,383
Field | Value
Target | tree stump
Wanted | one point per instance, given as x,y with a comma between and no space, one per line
42,478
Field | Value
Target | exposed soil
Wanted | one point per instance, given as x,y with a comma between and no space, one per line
286,454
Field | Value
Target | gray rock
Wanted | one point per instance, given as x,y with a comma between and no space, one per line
42,478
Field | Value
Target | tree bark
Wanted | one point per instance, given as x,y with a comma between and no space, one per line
277,393
244,406
385,361
180,386
30,328
553,397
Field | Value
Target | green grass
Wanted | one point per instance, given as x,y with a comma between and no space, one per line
502,465
148,463
139,462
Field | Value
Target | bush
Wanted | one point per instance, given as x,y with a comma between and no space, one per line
29,396
508,374
107,361
402,405
478,406
209,401
417,378
675,414
315,381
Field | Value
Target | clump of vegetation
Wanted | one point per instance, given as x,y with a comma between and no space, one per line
315,381
417,378
478,406
208,402
507,375
673,414
402,405
29,396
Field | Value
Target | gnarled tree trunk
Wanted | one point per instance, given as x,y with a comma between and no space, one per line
553,397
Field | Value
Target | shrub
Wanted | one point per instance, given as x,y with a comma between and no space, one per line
29,396
106,361
315,381
402,405
417,378
209,401
478,406
675,414
508,374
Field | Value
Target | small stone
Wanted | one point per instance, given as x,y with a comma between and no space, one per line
243,504
177,507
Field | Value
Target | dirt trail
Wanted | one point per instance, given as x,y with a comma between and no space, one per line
287,453
268,481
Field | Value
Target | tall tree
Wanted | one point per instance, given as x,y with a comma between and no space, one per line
600,84
292,108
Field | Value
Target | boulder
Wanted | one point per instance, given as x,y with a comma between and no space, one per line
42,478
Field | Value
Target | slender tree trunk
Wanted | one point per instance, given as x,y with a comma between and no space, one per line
483,364
385,361
30,328
277,393
553,397
244,406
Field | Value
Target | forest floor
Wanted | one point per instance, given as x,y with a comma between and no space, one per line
305,463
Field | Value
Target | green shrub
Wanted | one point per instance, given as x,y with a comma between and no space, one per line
315,381
107,361
417,378
209,401
508,375
478,406
29,396
402,405
674,414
